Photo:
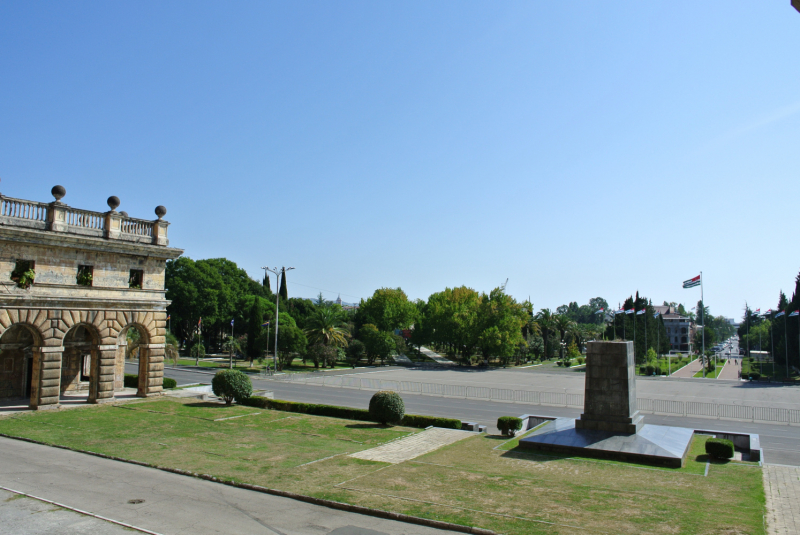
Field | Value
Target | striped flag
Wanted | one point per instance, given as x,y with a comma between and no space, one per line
641,312
795,313
768,312
629,311
691,283
231,323
620,311
265,324
655,315
168,317
779,314
600,311
758,311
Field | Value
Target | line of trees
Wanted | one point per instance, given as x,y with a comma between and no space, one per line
758,332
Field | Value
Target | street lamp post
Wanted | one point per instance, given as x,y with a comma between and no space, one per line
277,273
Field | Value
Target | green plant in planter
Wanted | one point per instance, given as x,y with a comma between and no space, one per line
23,274
719,448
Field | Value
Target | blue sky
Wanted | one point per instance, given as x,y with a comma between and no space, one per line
578,149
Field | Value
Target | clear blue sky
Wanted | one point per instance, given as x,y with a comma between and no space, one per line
579,149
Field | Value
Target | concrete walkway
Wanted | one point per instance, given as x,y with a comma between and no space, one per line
436,357
689,370
410,447
170,503
782,489
730,371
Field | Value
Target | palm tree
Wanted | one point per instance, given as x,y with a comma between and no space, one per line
563,324
545,320
326,327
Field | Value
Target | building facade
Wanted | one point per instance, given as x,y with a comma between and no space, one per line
73,283
680,329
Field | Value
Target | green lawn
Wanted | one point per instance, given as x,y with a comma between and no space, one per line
483,481
715,373
766,369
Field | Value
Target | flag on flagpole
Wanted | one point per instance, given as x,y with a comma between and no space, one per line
691,283
600,311
629,311
168,317
231,323
768,312
641,312
265,324
655,315
795,313
779,314
758,311
620,311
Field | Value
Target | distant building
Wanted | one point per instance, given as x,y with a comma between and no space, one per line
680,329
338,302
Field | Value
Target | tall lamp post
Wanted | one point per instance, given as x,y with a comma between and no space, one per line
277,273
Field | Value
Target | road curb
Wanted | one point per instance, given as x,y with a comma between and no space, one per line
379,513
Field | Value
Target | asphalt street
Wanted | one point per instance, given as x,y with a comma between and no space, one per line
779,442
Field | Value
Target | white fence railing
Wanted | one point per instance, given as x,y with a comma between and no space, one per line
557,399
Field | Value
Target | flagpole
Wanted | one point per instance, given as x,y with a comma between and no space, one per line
231,344
772,341
786,339
703,308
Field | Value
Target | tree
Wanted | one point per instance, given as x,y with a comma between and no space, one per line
284,291
501,321
453,319
254,329
546,322
325,326
355,352
265,283
388,309
378,344
323,355
563,324
231,345
291,341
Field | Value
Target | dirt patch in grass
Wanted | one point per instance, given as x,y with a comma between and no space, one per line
480,481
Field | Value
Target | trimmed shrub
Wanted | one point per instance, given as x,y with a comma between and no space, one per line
169,383
649,369
231,385
719,448
416,420
131,381
581,360
387,407
658,370
642,370
509,425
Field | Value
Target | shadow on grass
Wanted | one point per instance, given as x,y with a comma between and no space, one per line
705,458
368,426
210,405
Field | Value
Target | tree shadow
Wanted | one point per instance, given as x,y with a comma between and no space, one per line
368,426
210,405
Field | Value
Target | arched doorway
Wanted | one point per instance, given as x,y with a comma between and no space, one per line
80,363
19,346
133,347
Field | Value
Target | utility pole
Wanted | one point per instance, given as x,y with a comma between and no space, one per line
277,273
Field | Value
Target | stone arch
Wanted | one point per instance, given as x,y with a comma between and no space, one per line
133,343
87,364
20,349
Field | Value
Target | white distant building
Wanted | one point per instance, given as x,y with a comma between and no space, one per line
680,329
339,300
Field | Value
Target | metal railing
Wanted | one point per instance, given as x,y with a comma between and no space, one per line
669,407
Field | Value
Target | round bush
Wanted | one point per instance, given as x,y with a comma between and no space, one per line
169,383
719,448
387,407
231,385
509,425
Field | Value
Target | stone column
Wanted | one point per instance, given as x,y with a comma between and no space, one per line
610,392
101,383
151,370
46,378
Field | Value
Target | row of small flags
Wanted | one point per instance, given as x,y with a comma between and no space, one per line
628,311
778,315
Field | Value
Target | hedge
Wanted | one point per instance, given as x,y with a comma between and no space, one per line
509,425
409,420
132,381
719,448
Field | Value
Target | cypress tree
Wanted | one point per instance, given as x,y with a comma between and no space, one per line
265,283
284,292
254,328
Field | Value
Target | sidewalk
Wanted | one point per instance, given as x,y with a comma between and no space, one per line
436,357
730,371
689,370
170,503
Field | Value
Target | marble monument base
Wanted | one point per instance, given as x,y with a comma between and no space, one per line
653,444
613,424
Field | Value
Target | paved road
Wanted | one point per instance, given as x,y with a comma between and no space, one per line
778,441
689,370
173,504
731,371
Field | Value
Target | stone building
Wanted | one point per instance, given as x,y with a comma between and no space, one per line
680,329
72,284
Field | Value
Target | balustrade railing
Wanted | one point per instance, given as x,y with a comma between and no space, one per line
22,209
60,217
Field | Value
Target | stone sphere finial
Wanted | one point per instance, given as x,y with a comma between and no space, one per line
113,202
58,192
123,213
161,211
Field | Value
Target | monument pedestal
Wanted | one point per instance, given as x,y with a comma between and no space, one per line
611,426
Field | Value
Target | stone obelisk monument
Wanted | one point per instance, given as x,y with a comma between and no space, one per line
609,402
